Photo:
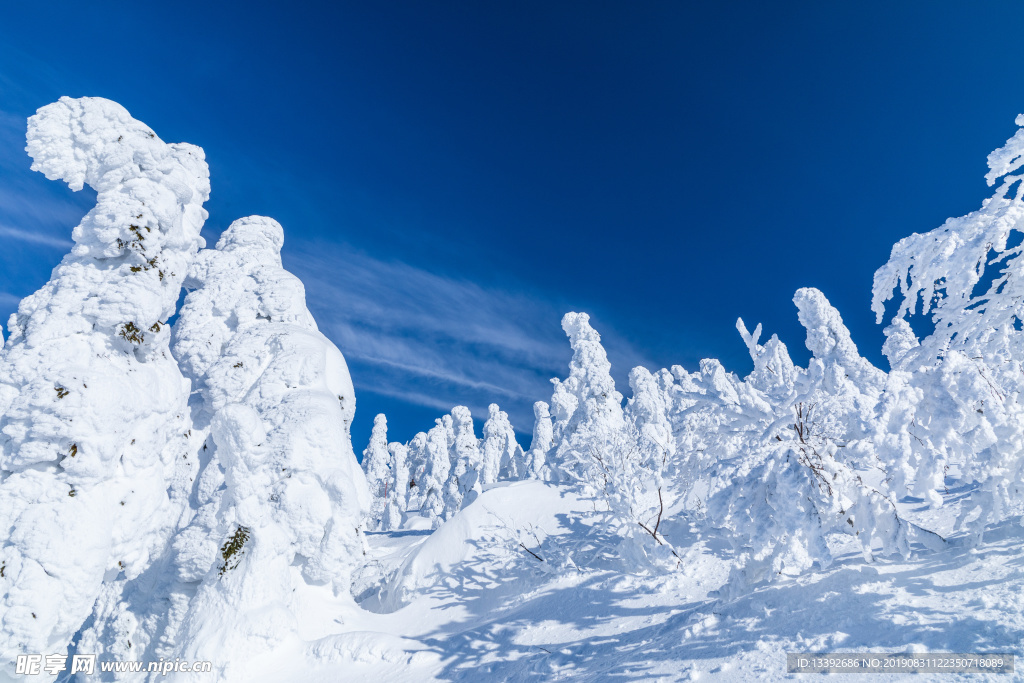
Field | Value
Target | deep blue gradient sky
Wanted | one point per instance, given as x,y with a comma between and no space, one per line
453,176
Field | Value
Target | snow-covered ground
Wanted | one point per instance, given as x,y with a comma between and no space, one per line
479,607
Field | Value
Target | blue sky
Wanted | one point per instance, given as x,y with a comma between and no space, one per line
452,177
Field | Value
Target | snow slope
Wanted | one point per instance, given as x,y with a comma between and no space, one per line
467,603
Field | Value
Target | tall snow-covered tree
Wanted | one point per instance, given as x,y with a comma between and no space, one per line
956,402
502,454
463,485
398,500
281,492
93,408
536,457
651,446
587,416
596,448
647,413
416,451
377,467
438,465
796,451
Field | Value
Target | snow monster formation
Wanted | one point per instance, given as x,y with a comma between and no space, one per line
93,408
140,524
280,494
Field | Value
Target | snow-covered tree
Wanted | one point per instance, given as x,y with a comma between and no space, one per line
651,448
376,466
955,400
708,422
586,409
606,455
647,414
796,448
463,485
536,457
416,451
94,424
502,455
438,465
281,494
398,499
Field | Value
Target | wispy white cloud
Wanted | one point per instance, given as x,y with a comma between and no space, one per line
421,337
9,233
33,210
440,341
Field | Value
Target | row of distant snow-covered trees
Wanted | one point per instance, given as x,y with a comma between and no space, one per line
440,471
788,456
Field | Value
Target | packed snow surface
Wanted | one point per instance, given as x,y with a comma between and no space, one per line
468,603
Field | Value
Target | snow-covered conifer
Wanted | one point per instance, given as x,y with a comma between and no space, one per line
502,454
596,448
416,450
956,400
463,485
376,466
536,457
797,452
647,413
292,492
438,465
94,467
587,416
709,422
398,499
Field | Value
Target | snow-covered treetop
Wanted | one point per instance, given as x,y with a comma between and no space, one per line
377,465
829,339
376,456
943,267
589,359
1008,158
589,389
138,177
238,285
899,339
113,293
133,248
774,371
252,282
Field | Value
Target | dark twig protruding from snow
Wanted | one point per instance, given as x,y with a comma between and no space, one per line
539,558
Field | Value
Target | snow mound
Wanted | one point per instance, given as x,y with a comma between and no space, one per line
490,529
